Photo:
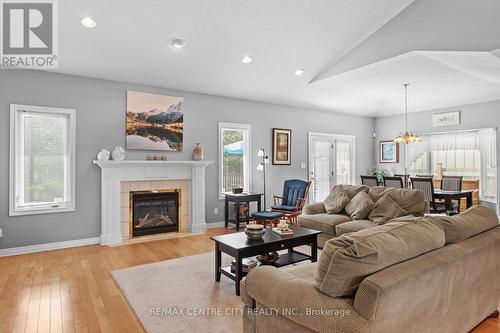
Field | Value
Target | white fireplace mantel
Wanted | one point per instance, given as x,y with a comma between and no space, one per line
114,172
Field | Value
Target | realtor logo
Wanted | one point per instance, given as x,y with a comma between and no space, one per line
29,34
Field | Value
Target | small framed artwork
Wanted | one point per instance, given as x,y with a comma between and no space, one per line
446,119
282,142
389,152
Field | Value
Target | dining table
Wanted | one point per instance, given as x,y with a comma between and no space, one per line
448,196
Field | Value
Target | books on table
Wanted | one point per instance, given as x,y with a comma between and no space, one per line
247,264
285,232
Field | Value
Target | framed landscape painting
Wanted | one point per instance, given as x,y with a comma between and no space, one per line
389,152
154,122
282,142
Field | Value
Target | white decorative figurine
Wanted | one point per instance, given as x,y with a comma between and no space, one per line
282,225
118,154
103,155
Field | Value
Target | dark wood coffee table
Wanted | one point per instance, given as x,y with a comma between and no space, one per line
238,246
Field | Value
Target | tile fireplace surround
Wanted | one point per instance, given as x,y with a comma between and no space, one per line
154,185
119,178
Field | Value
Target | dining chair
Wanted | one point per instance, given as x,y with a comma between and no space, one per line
426,186
452,183
393,182
405,179
369,180
425,176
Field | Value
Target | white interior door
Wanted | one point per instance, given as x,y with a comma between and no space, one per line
331,162
343,168
320,167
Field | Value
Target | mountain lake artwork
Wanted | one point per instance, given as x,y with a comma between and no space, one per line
154,122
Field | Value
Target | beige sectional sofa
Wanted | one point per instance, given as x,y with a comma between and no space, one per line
314,216
427,274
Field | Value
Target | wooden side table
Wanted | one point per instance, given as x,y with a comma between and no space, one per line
238,199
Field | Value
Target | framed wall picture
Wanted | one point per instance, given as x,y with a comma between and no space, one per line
154,122
282,146
388,152
446,119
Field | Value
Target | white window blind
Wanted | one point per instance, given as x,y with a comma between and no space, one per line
42,160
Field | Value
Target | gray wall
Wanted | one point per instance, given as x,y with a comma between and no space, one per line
473,116
100,107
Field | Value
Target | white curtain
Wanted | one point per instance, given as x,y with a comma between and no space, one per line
487,143
483,140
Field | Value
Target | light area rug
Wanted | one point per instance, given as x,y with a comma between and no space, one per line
181,295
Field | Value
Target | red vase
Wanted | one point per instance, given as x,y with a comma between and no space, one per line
198,153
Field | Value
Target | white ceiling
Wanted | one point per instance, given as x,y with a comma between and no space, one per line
356,53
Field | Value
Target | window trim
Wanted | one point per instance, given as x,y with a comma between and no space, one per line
15,109
248,147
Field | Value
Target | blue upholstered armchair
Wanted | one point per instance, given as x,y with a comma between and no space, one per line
294,198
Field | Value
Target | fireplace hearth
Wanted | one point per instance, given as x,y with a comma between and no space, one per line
154,212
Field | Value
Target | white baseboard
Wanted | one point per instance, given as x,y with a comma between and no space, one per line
110,239
12,251
215,225
48,246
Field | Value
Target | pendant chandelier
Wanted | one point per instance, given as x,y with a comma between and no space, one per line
407,137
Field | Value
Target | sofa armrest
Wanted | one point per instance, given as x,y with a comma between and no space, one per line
298,300
313,209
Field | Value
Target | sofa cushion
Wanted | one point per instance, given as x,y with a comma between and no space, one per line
323,222
385,209
410,200
473,221
315,208
358,225
348,259
336,201
360,206
304,272
353,226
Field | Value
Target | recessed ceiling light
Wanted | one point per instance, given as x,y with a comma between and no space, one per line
178,44
246,59
299,71
88,22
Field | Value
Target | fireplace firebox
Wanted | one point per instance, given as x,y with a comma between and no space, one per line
154,212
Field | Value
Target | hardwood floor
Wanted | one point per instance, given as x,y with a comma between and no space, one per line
71,290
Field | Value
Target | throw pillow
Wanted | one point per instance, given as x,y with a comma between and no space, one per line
336,201
352,190
360,206
413,201
347,260
385,209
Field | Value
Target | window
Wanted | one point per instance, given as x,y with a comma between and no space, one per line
234,157
471,154
42,156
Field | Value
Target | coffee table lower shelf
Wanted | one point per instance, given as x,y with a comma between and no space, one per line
283,260
238,246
